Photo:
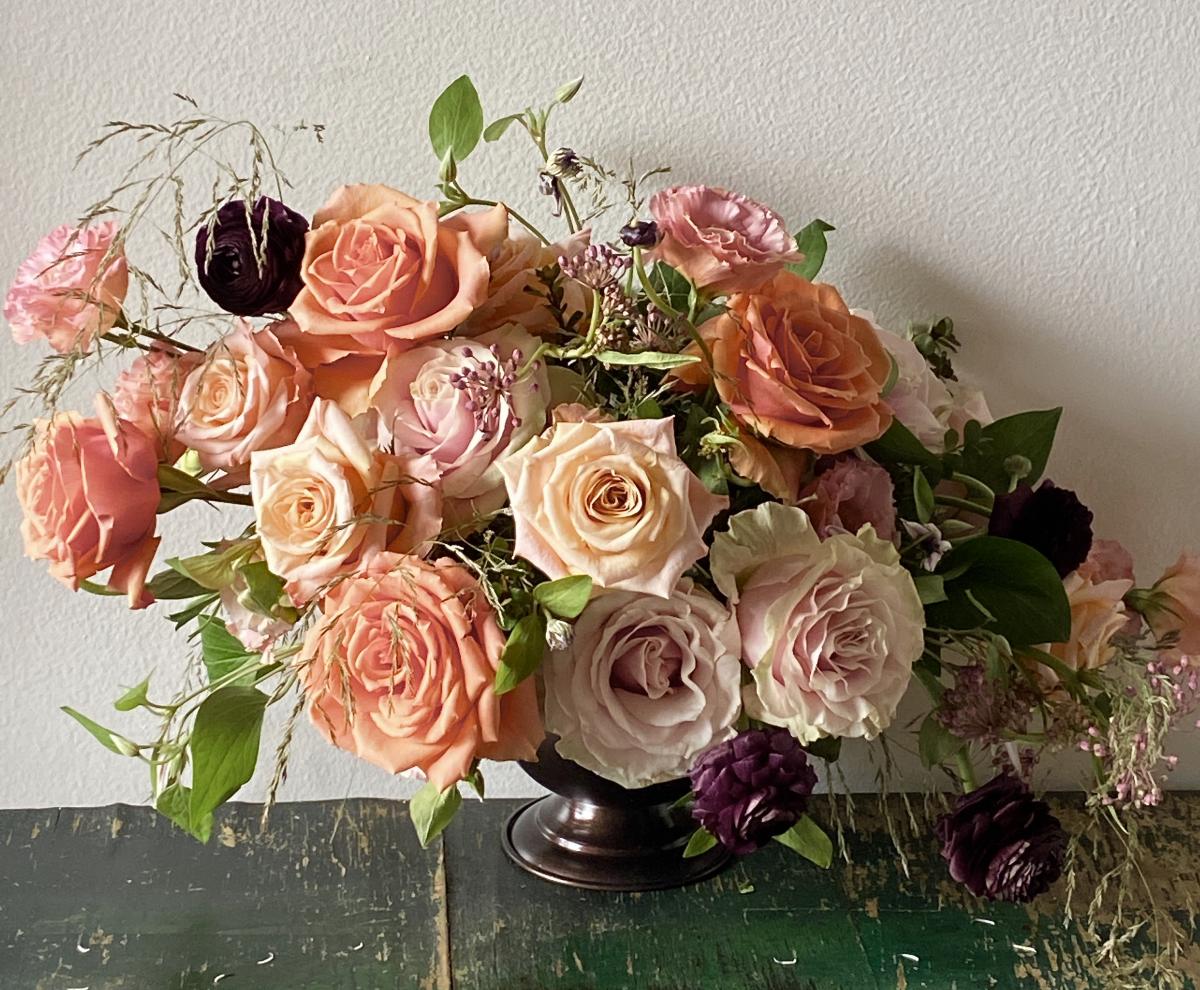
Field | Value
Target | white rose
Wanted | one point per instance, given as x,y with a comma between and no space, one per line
646,685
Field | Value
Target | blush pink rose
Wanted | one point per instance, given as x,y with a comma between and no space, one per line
464,403
70,289
330,501
515,293
249,393
831,628
1108,560
89,492
400,669
722,241
853,493
646,685
147,395
1179,593
381,267
1097,615
609,500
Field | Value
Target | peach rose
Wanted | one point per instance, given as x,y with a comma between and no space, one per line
250,393
797,367
516,295
89,492
722,241
400,671
1179,592
609,500
331,500
1097,615
70,289
381,267
831,628
776,469
646,685
147,395
463,403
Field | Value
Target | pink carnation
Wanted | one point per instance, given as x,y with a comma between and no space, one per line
850,495
147,394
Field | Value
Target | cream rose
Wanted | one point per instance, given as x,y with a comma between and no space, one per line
609,500
250,393
647,684
330,501
830,627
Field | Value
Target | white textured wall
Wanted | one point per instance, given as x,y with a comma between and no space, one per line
1028,168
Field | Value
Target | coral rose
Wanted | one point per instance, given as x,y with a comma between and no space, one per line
332,500
400,671
147,395
250,393
1179,609
609,500
646,685
381,267
465,403
89,492
797,367
830,627
722,241
70,289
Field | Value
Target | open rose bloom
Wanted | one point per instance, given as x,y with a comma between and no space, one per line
640,494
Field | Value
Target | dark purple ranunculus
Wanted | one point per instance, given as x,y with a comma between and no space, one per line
751,788
642,233
1050,519
1001,842
250,271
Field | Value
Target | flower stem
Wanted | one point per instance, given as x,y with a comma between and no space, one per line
962,503
966,772
648,287
975,485
472,201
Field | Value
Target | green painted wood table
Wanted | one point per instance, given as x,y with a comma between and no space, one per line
339,895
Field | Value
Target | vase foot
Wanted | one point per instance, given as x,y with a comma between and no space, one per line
600,847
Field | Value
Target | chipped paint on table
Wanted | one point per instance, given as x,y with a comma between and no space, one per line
339,895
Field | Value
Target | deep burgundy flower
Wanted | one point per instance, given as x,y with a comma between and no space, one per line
234,275
1050,519
1001,842
752,787
643,233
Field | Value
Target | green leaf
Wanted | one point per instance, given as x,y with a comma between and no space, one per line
1009,581
674,285
812,244
565,597
899,446
495,130
701,842
223,653
175,803
808,839
827,748
935,742
522,654
185,615
263,589
224,746
476,782
930,587
456,120
172,585
213,571
648,408
1027,434
110,740
922,496
646,359
431,811
135,697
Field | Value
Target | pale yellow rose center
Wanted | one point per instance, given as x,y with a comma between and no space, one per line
220,392
610,497
303,510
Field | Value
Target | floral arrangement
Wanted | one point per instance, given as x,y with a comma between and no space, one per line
662,494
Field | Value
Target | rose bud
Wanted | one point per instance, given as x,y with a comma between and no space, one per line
642,233
1052,520
751,788
251,267
1002,843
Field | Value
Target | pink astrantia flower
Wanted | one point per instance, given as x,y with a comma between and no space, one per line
70,289
89,491
851,494
722,241
609,500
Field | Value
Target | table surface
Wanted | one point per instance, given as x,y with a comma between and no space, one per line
339,895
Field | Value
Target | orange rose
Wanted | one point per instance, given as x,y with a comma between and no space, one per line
796,366
380,266
400,671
